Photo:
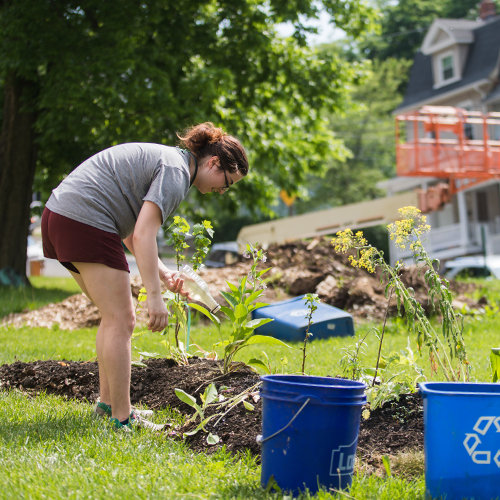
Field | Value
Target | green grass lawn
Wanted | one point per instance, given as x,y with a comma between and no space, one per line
53,448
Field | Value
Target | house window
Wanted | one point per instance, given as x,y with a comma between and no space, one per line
447,68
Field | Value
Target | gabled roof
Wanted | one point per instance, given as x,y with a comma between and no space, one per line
482,59
446,32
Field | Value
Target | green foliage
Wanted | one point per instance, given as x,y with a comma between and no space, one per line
495,364
367,131
241,300
201,243
351,362
398,374
207,397
403,25
179,230
143,71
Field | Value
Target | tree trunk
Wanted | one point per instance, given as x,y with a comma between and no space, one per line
17,171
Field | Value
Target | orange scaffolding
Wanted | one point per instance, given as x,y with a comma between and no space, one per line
460,146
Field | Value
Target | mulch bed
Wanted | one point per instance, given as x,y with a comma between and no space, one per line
394,428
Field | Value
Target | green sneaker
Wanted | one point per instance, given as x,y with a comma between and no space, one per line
103,410
119,427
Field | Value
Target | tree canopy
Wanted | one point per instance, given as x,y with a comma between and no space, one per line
403,25
80,76
367,130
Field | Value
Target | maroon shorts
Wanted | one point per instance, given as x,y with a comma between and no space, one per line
68,240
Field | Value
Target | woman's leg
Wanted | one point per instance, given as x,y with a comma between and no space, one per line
109,290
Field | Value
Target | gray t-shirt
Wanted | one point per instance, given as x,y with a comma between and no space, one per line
108,190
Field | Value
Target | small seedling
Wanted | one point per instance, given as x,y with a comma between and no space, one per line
208,397
311,299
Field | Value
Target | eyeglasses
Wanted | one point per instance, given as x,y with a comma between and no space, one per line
227,186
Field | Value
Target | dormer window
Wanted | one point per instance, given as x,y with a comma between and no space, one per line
447,68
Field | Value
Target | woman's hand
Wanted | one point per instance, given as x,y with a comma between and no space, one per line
158,313
174,285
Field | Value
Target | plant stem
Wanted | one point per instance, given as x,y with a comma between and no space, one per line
382,337
304,349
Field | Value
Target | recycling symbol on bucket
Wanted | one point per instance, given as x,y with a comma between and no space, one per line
472,441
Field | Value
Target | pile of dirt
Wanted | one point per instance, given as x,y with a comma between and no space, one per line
73,313
394,428
297,268
314,267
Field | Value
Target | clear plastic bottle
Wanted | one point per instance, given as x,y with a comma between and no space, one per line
197,288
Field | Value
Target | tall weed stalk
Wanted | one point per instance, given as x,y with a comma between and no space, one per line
446,347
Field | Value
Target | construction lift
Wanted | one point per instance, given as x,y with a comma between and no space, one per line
459,146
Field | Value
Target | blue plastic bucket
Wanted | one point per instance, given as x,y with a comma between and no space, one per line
310,428
462,440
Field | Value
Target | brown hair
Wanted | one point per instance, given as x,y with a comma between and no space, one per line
207,140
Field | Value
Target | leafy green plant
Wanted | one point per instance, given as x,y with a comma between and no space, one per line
179,230
201,242
391,385
443,347
495,363
207,397
242,300
350,363
266,366
311,299
222,406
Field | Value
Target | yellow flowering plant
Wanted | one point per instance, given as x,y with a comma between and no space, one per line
449,344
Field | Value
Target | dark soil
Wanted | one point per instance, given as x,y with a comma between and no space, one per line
396,427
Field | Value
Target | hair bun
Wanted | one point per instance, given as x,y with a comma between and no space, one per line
206,139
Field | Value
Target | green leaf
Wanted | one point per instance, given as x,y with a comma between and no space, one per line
495,363
255,323
188,399
139,364
264,339
248,406
212,438
206,312
260,364
230,299
149,354
210,394
257,305
232,287
240,311
228,312
254,296
387,465
264,271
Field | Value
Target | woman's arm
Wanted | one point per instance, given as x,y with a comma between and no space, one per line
142,243
165,274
